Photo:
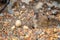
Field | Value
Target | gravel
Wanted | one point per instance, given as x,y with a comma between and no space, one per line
30,20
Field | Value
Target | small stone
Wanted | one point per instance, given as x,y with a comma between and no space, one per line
6,24
49,4
55,29
59,36
25,27
54,11
26,1
38,31
14,38
39,5
1,14
13,27
26,36
58,26
49,8
23,6
16,13
18,23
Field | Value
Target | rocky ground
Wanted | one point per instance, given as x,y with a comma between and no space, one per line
31,20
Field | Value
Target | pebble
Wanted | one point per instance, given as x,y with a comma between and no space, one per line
59,36
6,24
49,4
49,8
16,13
54,11
25,27
18,23
26,36
14,38
58,26
1,14
13,27
39,5
23,6
26,1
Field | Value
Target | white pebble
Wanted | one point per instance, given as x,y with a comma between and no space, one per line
49,4
23,6
59,36
25,27
26,1
13,27
18,23
39,5
54,11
